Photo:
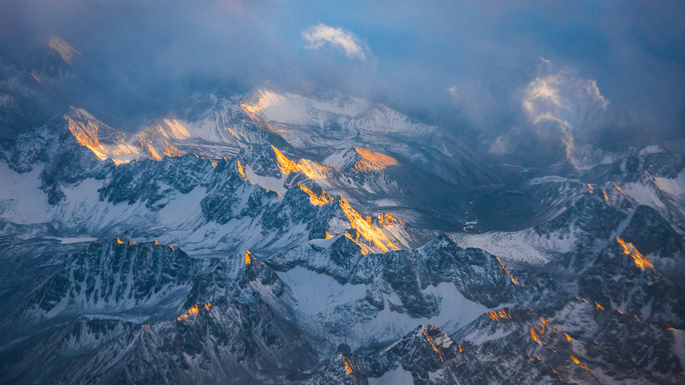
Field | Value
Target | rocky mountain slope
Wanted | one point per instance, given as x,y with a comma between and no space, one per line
313,237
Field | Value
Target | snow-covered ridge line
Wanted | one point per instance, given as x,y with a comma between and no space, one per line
218,197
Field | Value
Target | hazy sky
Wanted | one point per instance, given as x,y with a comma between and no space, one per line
468,65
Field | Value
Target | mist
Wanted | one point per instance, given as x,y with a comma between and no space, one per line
466,67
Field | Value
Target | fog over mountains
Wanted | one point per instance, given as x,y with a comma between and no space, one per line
242,193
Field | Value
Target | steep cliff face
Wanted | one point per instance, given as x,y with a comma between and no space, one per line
150,312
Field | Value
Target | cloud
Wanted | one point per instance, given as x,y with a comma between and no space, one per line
66,51
500,147
593,92
139,58
454,94
545,63
561,100
318,35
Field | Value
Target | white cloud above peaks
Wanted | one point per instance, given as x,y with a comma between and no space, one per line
562,99
319,35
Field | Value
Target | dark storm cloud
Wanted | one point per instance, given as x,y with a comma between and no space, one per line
465,65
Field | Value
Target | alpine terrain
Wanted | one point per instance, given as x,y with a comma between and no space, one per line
305,236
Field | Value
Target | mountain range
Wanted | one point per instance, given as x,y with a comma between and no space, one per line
311,237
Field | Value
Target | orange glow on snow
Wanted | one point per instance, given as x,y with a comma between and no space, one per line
309,168
534,335
315,199
153,153
87,134
63,48
192,311
286,165
266,99
620,190
387,219
240,170
630,249
577,361
430,341
367,231
373,161
175,130
195,310
500,314
348,364
171,151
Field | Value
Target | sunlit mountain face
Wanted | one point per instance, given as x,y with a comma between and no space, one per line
229,224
